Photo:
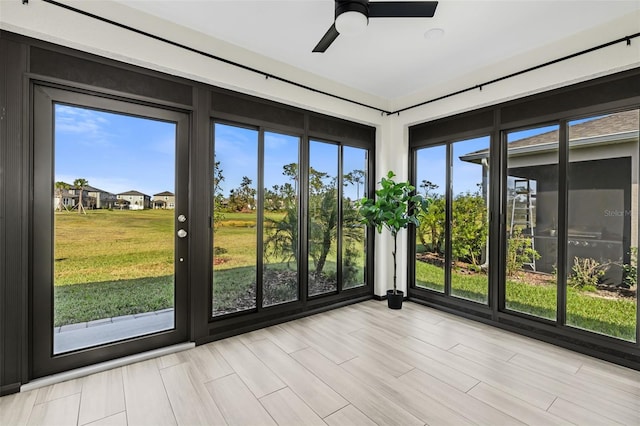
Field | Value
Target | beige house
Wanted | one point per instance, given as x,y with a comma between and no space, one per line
136,200
102,199
164,200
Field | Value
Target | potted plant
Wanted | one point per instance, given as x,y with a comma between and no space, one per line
394,208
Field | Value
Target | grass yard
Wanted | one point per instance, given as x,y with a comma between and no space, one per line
613,317
112,263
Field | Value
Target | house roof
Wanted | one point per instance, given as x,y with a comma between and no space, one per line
94,189
608,128
164,194
133,192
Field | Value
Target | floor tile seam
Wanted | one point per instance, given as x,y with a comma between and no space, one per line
499,408
587,409
447,404
265,408
558,377
585,405
267,367
166,392
100,419
56,399
287,385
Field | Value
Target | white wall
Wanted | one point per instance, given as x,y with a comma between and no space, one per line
51,23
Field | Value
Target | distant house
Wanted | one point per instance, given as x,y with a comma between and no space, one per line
69,197
64,199
136,200
101,198
164,200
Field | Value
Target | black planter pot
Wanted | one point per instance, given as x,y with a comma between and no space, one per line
394,301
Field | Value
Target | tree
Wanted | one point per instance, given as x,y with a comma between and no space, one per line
79,184
323,220
428,186
60,188
243,197
432,225
356,177
469,227
218,197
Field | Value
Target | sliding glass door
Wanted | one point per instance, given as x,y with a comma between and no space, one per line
452,241
285,223
572,223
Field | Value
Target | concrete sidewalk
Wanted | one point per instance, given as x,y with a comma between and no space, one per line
86,334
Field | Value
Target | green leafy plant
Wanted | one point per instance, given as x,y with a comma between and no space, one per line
470,227
432,225
631,269
519,251
585,273
394,208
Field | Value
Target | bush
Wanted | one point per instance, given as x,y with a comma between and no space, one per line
631,269
470,228
585,273
519,252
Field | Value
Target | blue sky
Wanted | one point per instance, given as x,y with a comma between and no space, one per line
432,166
237,150
117,153
114,152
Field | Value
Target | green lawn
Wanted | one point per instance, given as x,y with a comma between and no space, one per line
613,317
112,263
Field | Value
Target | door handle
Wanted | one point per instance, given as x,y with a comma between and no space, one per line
182,233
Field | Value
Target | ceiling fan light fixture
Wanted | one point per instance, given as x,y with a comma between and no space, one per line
351,23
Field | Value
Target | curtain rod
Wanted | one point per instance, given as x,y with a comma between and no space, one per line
626,39
208,55
267,75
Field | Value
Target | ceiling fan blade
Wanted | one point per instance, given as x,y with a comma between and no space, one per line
327,39
402,9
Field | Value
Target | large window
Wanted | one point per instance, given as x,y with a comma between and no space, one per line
431,238
323,217
452,249
602,224
560,204
469,219
280,219
531,258
258,254
354,234
592,241
235,179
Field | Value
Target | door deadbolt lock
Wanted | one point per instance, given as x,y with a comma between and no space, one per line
182,218
182,233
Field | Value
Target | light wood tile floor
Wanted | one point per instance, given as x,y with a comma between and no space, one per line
358,365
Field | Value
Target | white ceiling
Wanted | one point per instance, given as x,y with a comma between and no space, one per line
393,59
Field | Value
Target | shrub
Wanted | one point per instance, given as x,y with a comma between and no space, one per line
585,273
631,269
519,251
469,229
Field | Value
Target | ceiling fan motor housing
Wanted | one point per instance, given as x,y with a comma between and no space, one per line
360,6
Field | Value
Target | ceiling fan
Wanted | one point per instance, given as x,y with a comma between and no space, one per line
352,16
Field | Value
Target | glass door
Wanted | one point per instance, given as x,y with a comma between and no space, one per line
110,229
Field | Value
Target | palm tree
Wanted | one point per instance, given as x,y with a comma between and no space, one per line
79,184
356,177
60,188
